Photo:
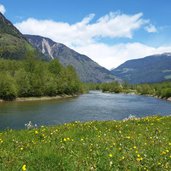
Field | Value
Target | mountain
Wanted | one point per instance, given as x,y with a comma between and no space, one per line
13,45
87,69
155,68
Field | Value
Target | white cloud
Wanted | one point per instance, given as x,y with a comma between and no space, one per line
112,25
151,28
2,9
112,56
82,36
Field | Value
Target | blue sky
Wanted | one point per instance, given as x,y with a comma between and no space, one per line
108,31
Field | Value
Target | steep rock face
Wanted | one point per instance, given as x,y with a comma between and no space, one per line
87,69
13,45
155,68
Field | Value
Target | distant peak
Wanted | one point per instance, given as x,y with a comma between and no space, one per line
167,53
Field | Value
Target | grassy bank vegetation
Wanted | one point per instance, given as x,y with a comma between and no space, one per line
137,144
161,90
35,78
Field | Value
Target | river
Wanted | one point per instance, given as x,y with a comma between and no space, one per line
92,106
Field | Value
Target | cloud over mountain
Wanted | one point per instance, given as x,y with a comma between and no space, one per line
2,9
112,25
86,36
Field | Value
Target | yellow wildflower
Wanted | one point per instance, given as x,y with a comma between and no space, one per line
24,168
122,158
139,159
163,153
110,155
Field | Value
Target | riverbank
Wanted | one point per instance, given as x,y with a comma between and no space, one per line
44,98
136,144
136,93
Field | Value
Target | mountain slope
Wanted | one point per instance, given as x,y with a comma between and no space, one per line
13,44
155,68
87,69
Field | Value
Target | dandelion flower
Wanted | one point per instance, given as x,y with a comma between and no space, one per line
24,168
110,155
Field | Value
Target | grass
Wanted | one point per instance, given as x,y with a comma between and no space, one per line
137,144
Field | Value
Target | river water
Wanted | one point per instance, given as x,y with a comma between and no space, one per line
92,106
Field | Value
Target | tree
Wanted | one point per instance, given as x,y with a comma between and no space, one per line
23,83
8,88
55,67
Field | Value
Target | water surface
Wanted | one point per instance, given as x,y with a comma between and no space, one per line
92,106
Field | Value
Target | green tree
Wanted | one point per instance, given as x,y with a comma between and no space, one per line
23,83
8,88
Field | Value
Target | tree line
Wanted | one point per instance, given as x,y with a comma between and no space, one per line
161,90
35,78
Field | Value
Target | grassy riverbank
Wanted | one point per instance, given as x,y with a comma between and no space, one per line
45,98
139,144
160,90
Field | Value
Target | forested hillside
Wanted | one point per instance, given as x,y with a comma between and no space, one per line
151,69
13,45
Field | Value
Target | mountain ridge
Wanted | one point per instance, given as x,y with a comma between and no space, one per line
87,69
149,69
13,44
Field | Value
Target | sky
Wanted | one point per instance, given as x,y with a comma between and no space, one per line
108,31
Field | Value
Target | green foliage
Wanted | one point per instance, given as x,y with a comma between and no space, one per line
8,90
145,89
12,47
13,44
166,93
162,90
34,78
112,87
55,67
136,144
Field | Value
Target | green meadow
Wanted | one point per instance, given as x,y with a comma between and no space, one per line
134,144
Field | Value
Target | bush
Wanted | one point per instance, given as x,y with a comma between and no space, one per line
166,93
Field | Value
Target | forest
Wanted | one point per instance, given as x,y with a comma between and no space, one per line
35,78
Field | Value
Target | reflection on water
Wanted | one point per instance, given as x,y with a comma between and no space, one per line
92,106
